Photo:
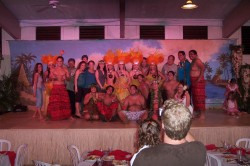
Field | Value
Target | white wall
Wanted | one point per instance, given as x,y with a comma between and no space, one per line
70,33
5,64
28,33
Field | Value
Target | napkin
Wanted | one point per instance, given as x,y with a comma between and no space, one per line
234,150
96,152
121,155
211,147
12,156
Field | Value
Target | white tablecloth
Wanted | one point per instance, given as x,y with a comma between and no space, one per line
4,160
224,161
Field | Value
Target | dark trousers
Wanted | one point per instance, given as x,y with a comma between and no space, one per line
72,102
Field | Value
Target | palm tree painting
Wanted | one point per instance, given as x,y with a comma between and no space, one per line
25,60
208,71
224,60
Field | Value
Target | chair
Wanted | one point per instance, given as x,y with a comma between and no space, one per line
243,141
20,154
40,163
75,154
213,160
5,142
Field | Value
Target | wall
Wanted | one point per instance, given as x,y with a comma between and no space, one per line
5,64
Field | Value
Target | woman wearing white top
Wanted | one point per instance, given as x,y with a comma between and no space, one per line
182,96
148,135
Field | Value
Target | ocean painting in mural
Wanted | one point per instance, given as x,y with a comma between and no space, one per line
214,53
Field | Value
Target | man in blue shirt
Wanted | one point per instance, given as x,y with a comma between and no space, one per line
183,70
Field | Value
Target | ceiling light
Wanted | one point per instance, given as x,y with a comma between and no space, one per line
189,5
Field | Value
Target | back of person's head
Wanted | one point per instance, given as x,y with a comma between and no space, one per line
149,133
176,119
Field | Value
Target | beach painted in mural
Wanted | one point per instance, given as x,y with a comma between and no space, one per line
214,53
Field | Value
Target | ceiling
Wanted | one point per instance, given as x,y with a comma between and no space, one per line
110,9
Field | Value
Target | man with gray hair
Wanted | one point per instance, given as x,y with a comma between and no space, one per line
179,148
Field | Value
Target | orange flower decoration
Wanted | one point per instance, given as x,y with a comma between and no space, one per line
122,57
155,58
109,57
136,57
47,59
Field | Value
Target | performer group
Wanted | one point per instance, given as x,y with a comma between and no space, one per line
109,91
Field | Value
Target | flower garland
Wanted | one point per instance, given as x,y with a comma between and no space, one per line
152,96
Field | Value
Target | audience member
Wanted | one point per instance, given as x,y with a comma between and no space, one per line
197,84
134,107
148,136
177,148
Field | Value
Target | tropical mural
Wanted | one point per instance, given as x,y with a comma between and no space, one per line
215,54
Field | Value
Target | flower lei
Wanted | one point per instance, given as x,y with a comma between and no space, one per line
152,94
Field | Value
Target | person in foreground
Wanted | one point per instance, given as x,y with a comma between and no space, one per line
179,148
148,135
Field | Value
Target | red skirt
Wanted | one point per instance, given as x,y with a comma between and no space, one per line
198,94
107,110
59,103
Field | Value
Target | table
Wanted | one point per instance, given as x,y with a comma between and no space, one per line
105,160
4,160
226,159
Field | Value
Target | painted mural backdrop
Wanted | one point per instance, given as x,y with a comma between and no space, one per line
214,53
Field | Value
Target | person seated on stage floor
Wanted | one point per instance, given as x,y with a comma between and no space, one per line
182,96
134,107
179,147
108,105
155,100
148,136
90,104
231,104
170,86
143,86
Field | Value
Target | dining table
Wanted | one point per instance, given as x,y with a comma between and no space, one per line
228,157
105,158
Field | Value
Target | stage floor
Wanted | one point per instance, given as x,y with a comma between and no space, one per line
24,120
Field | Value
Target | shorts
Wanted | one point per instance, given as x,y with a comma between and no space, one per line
134,116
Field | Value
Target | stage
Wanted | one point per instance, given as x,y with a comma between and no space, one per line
48,140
